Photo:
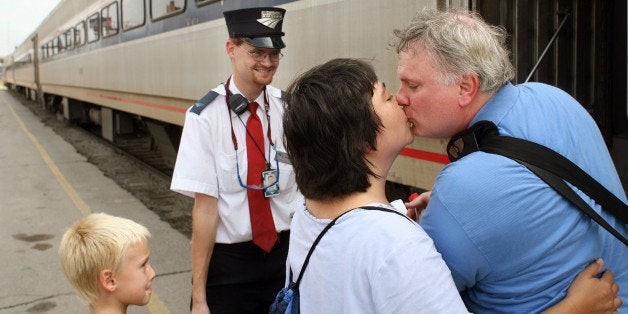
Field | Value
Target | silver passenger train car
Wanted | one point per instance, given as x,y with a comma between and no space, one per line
124,64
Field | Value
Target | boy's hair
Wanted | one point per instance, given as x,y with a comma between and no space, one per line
329,126
94,243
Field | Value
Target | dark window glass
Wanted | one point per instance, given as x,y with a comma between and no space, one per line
69,39
93,28
132,13
55,46
79,34
109,18
161,8
61,40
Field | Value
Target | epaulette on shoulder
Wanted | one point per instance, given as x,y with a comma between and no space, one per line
203,102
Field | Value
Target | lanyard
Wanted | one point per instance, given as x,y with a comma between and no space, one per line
266,110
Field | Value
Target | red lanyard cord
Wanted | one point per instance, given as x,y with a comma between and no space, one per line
268,129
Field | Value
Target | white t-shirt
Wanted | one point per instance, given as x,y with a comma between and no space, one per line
370,261
206,163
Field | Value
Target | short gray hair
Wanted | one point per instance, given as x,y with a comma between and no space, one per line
458,43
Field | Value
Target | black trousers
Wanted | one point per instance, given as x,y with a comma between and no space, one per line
242,278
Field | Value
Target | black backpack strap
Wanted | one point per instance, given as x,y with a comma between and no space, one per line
468,141
309,253
561,187
549,165
387,210
320,236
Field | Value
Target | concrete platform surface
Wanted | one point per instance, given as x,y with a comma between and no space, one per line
45,185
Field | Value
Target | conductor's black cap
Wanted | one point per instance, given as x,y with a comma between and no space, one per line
259,27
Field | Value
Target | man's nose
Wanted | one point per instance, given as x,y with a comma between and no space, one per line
401,99
266,60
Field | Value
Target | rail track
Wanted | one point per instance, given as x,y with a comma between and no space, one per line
133,162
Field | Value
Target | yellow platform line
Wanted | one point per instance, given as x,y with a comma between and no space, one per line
155,306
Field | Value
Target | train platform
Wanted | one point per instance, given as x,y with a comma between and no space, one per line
45,187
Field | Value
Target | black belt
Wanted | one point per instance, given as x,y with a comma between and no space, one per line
282,237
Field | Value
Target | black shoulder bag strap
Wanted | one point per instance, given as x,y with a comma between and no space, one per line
329,225
547,164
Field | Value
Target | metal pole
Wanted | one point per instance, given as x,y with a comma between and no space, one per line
547,48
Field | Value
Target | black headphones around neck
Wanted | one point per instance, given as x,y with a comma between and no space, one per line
237,103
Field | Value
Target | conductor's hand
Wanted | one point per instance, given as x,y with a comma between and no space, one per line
417,204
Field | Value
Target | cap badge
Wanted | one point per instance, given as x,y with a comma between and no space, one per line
270,18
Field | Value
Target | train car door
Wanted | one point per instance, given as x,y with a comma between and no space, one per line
35,41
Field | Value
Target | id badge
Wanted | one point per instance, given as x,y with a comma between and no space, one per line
270,177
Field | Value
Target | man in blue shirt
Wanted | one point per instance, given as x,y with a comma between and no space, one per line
513,244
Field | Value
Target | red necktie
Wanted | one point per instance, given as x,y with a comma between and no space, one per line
262,224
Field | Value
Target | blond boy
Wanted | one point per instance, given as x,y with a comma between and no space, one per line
105,258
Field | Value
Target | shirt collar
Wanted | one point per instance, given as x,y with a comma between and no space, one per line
499,105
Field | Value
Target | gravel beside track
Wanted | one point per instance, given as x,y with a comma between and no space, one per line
151,189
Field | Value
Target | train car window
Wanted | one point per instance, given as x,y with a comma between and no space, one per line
55,46
61,41
69,38
133,14
93,28
200,3
109,20
163,8
48,50
80,34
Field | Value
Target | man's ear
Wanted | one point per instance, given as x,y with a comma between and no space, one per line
230,47
107,280
469,86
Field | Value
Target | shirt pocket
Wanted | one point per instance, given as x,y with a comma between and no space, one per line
286,177
226,171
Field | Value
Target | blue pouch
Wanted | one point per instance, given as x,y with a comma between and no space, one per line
286,301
